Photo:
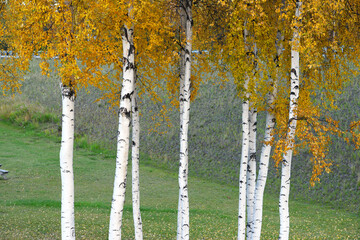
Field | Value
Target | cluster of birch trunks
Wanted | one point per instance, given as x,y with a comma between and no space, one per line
93,33
251,187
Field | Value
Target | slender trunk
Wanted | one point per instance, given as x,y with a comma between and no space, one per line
66,152
127,90
251,172
181,109
178,230
185,114
286,162
267,145
263,168
135,168
245,141
243,165
66,164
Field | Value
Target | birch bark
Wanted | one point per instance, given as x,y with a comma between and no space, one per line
66,164
251,172
181,110
263,169
185,118
245,147
66,154
135,168
243,165
266,147
286,162
127,90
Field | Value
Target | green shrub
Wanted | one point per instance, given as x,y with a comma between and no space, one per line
25,114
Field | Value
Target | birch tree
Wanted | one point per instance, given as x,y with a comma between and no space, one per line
66,164
258,34
135,156
315,39
324,66
189,37
184,121
182,13
251,168
248,149
104,48
266,146
243,166
127,90
251,172
273,78
286,162
242,63
55,29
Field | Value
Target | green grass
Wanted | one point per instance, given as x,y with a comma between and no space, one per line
30,199
215,114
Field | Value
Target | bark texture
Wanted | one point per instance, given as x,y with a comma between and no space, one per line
184,125
251,50
118,199
267,145
181,109
263,169
251,172
66,164
243,166
135,168
286,162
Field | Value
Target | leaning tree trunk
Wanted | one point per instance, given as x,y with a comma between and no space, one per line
66,164
243,166
251,172
266,147
286,162
135,168
263,168
185,117
127,90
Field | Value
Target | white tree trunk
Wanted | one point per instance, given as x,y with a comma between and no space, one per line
66,164
181,109
286,162
263,168
178,230
251,172
245,144
185,115
181,168
243,166
267,145
135,156
127,90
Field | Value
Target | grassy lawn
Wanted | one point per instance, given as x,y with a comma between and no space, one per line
30,199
